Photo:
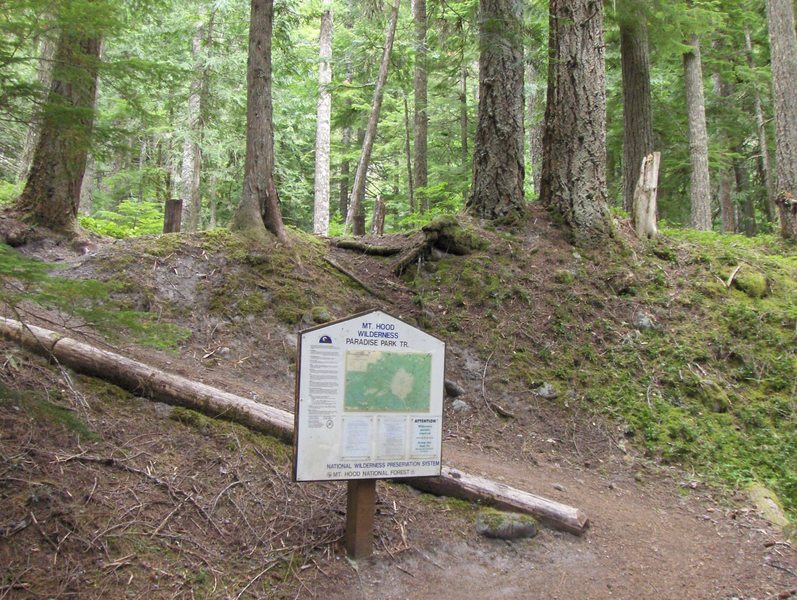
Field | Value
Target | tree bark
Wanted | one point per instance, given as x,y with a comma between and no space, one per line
420,84
259,204
698,137
463,118
345,171
172,215
190,173
644,206
574,162
173,389
323,124
535,125
637,113
763,144
87,187
408,154
378,218
355,219
52,193
44,74
498,164
783,52
723,91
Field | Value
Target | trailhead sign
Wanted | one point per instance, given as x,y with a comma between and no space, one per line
369,400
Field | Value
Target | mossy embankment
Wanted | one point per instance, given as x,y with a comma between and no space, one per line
687,342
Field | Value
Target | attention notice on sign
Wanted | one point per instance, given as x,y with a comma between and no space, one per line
369,400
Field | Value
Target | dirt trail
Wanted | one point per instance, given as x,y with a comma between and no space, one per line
648,539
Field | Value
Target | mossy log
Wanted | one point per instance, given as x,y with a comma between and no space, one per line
366,248
173,389
420,246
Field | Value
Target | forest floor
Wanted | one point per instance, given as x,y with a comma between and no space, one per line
107,495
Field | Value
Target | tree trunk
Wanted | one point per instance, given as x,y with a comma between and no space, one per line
259,204
748,220
534,125
52,192
644,206
408,154
723,91
355,220
213,191
498,164
698,137
783,52
190,173
345,171
574,162
44,74
637,113
323,124
421,114
172,215
378,218
763,144
463,118
87,187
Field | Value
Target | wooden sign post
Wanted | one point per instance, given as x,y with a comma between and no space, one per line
369,405
360,509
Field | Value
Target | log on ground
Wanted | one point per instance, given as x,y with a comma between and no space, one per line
150,382
455,483
173,389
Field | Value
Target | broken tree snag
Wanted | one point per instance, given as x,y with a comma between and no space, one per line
173,389
148,381
457,484
366,248
172,215
643,212
419,248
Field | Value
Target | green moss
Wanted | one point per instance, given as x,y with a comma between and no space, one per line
161,246
564,277
231,433
320,314
454,238
752,283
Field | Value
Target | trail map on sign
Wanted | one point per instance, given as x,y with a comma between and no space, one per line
387,381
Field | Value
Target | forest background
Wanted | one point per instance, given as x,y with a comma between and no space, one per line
171,108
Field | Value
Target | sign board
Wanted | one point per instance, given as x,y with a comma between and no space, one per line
369,400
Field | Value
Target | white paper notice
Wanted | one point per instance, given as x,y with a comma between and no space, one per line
391,439
357,434
425,436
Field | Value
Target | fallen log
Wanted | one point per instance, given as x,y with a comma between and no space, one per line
148,381
366,248
173,389
455,483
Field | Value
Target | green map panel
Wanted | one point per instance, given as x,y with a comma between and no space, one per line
387,382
